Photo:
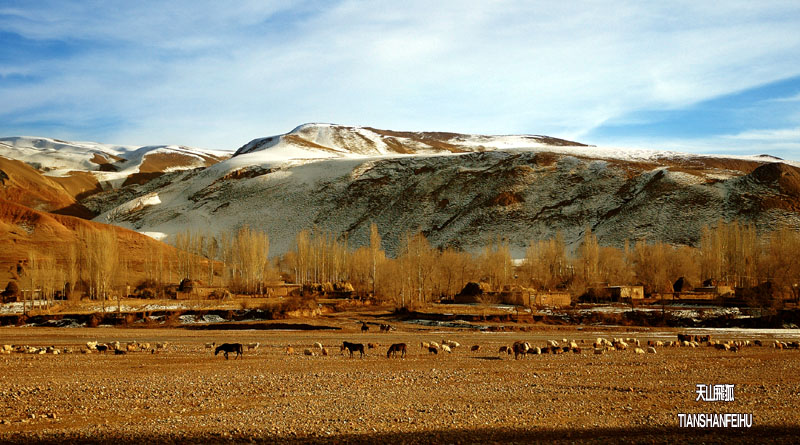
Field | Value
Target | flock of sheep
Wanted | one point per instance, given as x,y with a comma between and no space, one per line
116,348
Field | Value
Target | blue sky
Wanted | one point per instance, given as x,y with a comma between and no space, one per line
686,76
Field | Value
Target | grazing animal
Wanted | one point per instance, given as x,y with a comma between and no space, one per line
432,350
446,348
101,348
162,345
132,347
505,350
289,350
386,328
521,348
253,346
353,347
226,348
211,345
318,345
91,345
395,348
475,348
452,344
364,327
308,351
424,345
372,345
638,351
325,351
651,350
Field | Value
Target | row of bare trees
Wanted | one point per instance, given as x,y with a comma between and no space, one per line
731,253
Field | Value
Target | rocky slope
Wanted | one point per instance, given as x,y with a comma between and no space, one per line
460,190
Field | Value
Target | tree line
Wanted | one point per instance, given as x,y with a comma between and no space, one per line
728,253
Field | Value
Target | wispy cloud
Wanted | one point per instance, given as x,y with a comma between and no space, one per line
216,74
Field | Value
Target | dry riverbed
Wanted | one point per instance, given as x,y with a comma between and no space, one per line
186,394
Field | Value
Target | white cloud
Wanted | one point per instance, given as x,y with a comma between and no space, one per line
221,74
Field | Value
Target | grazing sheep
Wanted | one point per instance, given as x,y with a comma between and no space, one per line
144,346
308,351
424,345
651,350
91,345
620,346
638,351
435,345
505,350
132,347
209,345
446,348
325,352
162,345
318,345
450,343
475,348
573,345
289,350
552,343
8,348
253,346
432,350
372,345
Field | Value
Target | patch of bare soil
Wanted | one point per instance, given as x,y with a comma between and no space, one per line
186,394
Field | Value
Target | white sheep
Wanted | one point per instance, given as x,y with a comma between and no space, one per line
435,345
211,345
253,346
651,350
91,345
445,348
552,343
318,345
639,351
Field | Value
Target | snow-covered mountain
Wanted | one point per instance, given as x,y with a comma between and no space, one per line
112,164
460,190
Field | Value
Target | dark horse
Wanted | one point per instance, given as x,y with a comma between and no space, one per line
364,327
229,347
395,348
352,347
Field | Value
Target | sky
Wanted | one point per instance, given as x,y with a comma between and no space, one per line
704,77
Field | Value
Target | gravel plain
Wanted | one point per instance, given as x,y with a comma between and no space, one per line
185,394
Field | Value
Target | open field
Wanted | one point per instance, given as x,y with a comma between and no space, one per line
186,394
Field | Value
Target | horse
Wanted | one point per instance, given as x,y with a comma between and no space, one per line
364,327
230,347
352,347
386,328
395,348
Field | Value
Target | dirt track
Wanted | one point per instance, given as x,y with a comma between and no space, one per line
186,394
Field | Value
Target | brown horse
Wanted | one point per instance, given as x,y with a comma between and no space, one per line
395,348
352,347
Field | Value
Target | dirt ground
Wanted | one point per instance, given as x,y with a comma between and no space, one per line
186,394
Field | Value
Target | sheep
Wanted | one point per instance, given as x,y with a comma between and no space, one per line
564,340
318,345
162,345
451,344
446,348
211,345
116,345
132,347
475,348
144,346
505,350
552,343
638,351
7,348
651,350
424,345
432,350
372,345
620,346
289,350
435,345
308,351
91,345
573,345
536,351
325,352
577,350
253,346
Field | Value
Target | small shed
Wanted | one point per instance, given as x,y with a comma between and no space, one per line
617,293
